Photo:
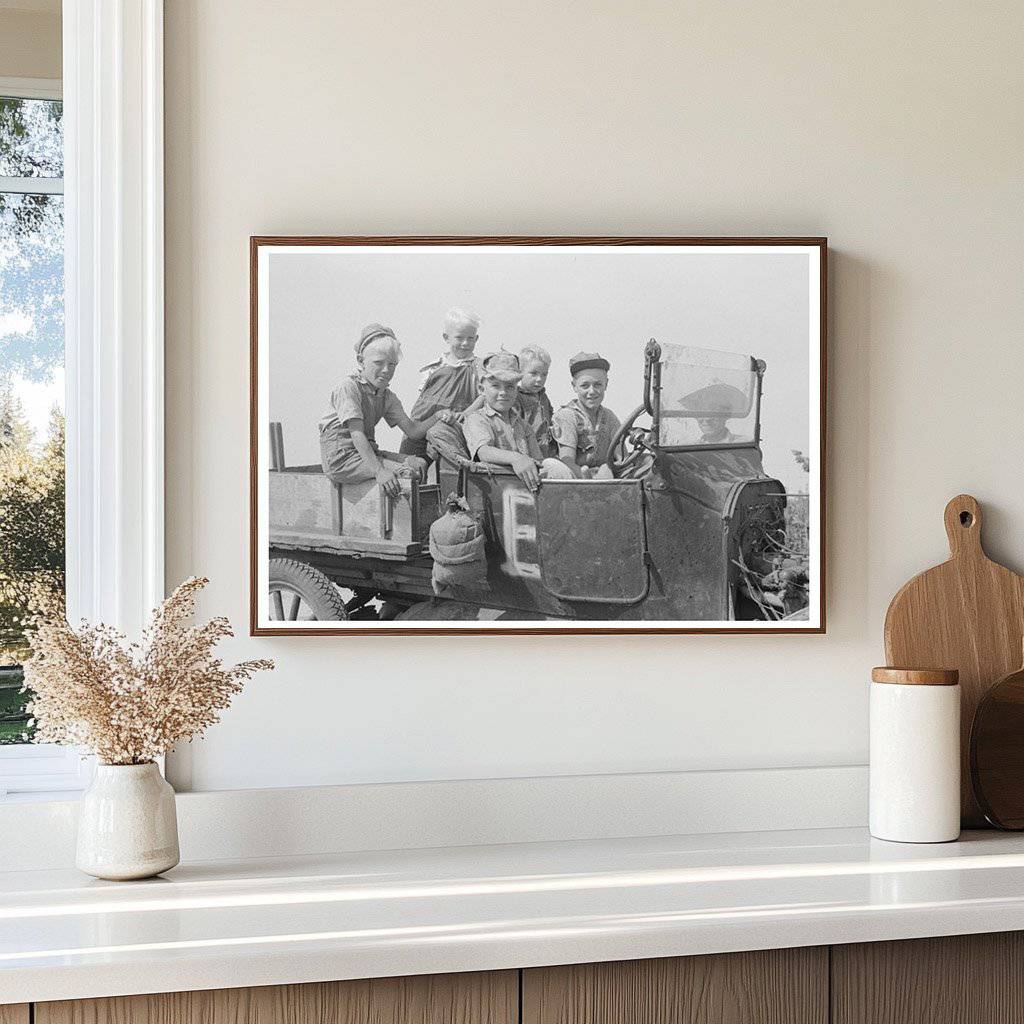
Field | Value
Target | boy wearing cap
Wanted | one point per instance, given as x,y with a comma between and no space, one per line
452,381
532,402
497,433
584,428
348,449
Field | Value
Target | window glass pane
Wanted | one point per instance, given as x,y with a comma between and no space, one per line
31,138
31,431
707,397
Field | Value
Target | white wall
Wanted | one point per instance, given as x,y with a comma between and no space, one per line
895,129
30,39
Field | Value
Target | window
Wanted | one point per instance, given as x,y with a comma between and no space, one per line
112,205
31,405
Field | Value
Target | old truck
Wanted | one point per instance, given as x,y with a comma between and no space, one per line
685,526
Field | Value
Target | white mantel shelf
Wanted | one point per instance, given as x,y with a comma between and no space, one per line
223,924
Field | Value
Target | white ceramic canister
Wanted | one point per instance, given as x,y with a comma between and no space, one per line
915,755
127,823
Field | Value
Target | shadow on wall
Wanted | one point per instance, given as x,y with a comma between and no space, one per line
852,286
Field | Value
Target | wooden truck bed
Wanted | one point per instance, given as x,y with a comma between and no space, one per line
309,514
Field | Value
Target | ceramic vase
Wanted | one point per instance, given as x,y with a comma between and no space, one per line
127,825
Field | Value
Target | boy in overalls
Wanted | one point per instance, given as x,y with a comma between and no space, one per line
533,402
348,448
453,380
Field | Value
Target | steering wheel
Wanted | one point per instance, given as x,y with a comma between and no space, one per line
619,461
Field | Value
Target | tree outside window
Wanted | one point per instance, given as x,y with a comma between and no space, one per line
31,385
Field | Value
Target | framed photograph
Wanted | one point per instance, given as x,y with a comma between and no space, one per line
537,435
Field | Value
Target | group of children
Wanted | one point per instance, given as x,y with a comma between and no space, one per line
499,401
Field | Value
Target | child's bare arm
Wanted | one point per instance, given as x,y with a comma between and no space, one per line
417,429
567,454
522,465
563,430
385,477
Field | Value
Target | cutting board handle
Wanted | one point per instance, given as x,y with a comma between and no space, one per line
963,526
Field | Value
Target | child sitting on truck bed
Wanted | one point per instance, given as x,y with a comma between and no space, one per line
348,450
452,381
584,428
497,432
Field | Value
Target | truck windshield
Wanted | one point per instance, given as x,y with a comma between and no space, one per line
707,397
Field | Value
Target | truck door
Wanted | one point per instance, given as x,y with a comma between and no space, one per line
592,538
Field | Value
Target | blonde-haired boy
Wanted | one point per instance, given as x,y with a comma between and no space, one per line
452,381
533,402
348,449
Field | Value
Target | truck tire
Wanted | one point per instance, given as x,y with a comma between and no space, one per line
298,592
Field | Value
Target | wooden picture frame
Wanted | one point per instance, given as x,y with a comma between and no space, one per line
347,539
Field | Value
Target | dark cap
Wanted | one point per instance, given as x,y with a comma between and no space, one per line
372,332
587,361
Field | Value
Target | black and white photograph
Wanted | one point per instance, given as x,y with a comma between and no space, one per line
537,435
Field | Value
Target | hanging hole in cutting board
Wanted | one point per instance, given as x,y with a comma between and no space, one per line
966,519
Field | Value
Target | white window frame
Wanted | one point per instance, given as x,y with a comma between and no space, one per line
114,327
31,88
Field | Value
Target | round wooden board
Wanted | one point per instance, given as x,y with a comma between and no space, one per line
997,753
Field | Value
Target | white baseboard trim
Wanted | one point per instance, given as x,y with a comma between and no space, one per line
234,824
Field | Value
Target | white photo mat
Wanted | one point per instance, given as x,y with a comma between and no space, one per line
762,299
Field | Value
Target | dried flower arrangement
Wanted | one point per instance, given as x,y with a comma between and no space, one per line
129,703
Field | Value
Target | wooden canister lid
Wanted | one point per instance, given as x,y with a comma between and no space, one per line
916,676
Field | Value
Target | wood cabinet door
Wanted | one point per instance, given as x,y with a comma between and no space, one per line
14,1013
777,986
478,998
961,979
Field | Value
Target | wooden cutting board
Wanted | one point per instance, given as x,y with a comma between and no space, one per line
967,614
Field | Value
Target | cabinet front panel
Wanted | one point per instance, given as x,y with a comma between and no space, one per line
961,979
477,998
14,1013
779,986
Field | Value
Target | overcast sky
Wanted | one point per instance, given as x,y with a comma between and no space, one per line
756,304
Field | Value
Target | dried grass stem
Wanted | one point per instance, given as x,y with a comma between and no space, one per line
129,703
